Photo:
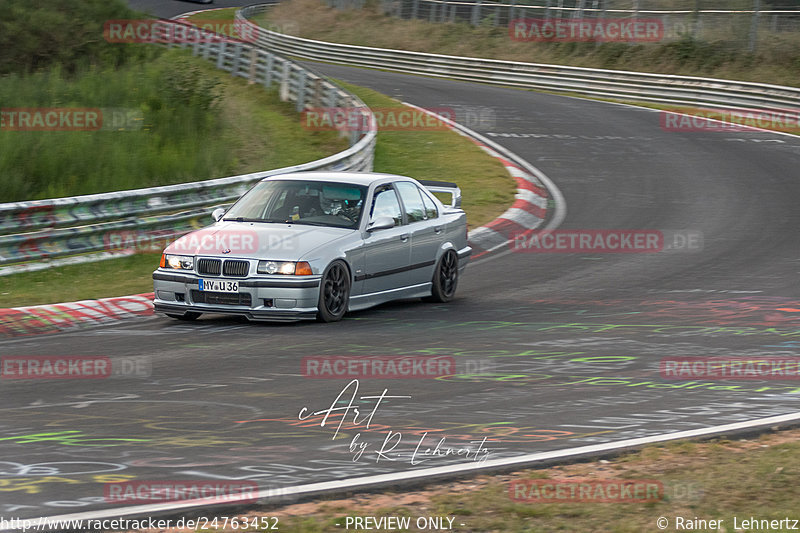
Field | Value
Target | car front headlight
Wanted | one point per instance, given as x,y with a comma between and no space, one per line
289,268
178,262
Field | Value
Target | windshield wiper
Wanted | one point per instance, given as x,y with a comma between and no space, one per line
307,223
242,219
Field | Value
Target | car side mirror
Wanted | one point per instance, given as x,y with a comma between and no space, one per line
218,213
381,223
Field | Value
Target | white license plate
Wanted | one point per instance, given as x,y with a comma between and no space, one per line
218,285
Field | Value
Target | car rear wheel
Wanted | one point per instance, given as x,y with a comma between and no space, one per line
445,278
188,315
334,292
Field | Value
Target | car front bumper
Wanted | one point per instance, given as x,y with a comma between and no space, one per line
259,298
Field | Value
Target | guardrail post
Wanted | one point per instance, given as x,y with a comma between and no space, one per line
754,26
414,8
431,11
170,35
316,99
196,48
237,55
221,55
251,74
476,13
284,90
268,73
301,91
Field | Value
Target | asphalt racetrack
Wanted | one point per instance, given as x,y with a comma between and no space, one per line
551,350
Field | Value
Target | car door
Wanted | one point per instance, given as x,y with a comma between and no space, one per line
426,234
387,252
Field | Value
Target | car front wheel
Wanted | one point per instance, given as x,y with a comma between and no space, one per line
445,278
334,293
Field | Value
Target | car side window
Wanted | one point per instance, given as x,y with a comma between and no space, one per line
430,207
386,204
409,193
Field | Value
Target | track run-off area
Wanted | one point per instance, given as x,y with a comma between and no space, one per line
551,351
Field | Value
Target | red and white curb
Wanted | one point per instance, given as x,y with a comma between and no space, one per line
53,318
527,213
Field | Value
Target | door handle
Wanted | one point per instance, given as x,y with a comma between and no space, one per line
437,229
404,237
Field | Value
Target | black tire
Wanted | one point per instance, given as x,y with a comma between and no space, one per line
188,315
334,292
445,278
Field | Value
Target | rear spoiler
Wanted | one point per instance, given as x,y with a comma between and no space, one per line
444,187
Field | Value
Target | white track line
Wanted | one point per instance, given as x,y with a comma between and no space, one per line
378,481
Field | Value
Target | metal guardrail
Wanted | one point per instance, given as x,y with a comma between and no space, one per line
598,83
60,227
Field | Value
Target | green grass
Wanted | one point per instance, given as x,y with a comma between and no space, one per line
103,279
191,122
36,34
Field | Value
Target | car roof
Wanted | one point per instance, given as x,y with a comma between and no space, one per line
358,178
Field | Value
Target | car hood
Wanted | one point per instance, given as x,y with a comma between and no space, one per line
278,241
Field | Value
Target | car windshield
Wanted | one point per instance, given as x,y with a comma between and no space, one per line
315,203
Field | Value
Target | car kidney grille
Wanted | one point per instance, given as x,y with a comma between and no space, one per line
221,298
210,267
236,268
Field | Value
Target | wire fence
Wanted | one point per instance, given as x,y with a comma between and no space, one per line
745,22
